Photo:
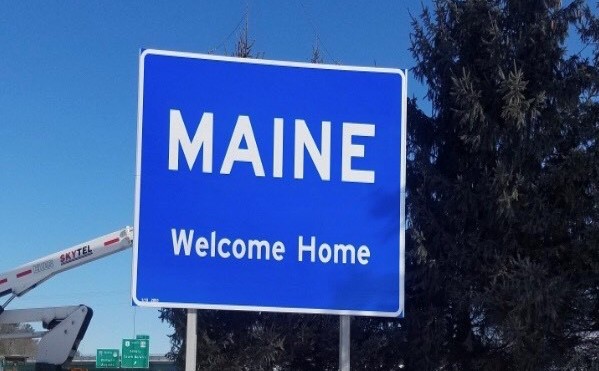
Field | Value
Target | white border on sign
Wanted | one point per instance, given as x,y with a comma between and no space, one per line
402,224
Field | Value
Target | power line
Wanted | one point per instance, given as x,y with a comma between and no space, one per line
226,39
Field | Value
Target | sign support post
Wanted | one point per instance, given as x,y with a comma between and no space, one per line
191,343
344,342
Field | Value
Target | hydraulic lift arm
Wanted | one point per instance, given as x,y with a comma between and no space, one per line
66,325
26,277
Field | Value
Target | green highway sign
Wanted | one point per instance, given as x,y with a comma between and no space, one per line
141,337
107,358
136,353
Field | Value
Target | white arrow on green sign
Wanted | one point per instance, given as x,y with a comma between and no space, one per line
136,353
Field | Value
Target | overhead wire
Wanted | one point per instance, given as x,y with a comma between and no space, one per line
226,39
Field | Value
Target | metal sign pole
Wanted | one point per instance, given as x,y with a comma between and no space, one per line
344,343
191,343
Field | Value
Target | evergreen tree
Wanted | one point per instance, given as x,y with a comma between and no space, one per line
503,189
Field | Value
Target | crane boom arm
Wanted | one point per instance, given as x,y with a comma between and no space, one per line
26,277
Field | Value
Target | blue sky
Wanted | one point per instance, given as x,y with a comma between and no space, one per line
68,111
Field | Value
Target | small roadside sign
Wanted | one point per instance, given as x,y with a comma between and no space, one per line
136,353
107,358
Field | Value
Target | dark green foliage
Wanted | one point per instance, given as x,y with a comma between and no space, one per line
230,340
503,193
265,341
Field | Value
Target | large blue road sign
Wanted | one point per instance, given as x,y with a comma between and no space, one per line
269,186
